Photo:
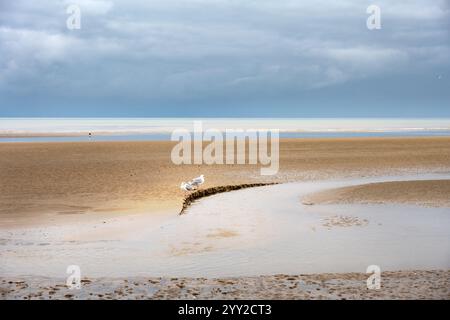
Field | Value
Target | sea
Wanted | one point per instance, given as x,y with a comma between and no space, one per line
161,129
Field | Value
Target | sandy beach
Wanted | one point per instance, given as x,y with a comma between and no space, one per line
116,205
224,150
42,181
433,193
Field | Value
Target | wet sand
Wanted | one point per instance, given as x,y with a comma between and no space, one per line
430,193
43,183
402,285
85,200
248,232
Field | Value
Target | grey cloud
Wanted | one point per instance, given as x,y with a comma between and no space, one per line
157,50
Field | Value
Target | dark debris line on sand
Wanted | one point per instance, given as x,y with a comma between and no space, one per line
220,189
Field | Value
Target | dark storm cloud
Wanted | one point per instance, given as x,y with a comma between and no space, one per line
203,52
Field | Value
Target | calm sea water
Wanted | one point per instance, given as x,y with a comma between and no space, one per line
141,129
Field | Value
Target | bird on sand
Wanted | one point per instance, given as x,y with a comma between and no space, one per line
186,186
193,184
198,181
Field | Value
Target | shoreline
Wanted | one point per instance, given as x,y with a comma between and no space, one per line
323,139
166,137
210,239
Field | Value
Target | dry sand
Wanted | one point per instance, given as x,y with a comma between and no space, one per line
41,182
430,193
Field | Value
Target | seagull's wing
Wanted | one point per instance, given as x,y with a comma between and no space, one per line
186,186
199,180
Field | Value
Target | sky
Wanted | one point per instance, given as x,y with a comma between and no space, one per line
224,58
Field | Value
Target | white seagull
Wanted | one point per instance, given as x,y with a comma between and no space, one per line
186,186
196,182
193,184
